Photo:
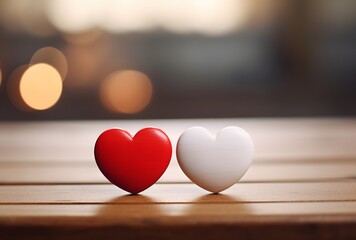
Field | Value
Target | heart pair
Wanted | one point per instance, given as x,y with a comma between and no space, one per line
136,163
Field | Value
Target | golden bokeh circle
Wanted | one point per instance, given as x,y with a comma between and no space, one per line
41,86
13,88
53,57
126,91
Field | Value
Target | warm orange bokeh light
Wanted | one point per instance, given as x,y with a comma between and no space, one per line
53,57
13,88
41,86
89,62
126,91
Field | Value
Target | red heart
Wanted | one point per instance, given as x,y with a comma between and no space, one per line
133,164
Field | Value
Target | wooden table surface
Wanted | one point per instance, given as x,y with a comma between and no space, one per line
301,184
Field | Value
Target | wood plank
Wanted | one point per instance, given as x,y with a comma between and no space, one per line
327,220
87,172
179,193
301,185
274,138
133,213
294,172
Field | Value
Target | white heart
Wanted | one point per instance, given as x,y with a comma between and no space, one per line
215,164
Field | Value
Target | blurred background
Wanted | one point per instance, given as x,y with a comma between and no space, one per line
113,59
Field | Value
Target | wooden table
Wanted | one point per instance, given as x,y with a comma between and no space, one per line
301,185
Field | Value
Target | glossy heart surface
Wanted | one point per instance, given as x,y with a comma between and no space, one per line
215,163
133,163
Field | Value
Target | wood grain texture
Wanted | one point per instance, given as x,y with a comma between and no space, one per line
180,193
137,213
288,139
302,185
87,172
311,220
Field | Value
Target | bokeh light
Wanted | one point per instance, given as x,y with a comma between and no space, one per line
129,16
126,91
75,16
41,86
210,17
26,16
13,88
89,62
53,57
